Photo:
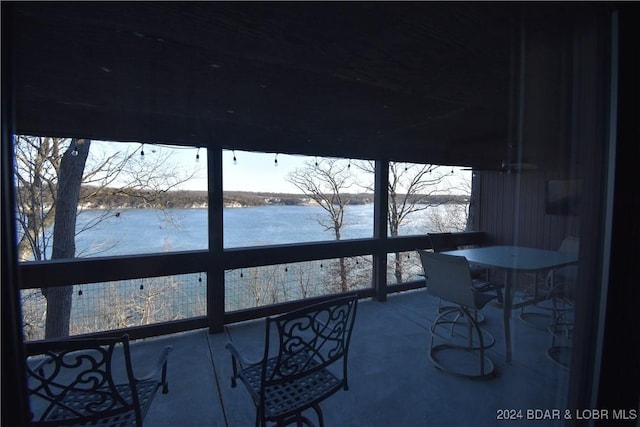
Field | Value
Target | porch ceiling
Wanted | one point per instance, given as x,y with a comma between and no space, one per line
407,81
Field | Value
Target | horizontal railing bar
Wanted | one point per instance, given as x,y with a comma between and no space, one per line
286,254
74,271
406,286
406,243
39,274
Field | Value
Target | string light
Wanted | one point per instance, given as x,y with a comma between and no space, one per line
142,151
74,152
316,161
235,161
198,155
275,161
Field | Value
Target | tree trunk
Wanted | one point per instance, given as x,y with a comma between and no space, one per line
344,283
64,234
398,267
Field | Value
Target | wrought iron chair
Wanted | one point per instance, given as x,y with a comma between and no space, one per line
304,362
448,277
541,294
90,382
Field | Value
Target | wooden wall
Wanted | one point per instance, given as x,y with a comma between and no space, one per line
511,209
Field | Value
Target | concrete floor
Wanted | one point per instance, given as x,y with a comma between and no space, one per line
392,381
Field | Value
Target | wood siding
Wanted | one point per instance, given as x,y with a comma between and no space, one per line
511,209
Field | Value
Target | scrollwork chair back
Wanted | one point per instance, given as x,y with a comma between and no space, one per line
76,382
304,361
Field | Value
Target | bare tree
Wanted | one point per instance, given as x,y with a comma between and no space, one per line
50,174
326,182
302,273
412,188
133,303
453,216
64,231
37,167
33,316
261,284
121,173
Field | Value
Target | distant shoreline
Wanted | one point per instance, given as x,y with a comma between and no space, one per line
186,199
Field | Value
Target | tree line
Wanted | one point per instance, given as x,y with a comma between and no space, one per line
90,198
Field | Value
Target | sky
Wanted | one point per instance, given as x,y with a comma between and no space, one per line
250,172
258,171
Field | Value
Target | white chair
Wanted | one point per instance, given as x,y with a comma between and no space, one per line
442,242
448,277
561,326
540,295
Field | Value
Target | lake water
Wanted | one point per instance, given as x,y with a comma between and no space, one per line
137,231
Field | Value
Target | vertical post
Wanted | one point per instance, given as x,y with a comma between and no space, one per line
595,138
473,215
215,267
15,407
380,208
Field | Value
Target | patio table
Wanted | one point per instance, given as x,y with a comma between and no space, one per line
514,259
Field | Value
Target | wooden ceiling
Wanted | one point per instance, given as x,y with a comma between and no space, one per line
409,81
